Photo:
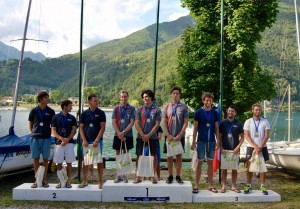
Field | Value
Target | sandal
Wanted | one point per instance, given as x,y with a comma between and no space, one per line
236,190
82,185
34,185
68,185
195,190
137,180
153,180
58,186
45,184
214,190
222,190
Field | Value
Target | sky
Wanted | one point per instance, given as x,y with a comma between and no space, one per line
58,22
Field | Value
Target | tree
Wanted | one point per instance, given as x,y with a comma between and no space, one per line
245,82
56,96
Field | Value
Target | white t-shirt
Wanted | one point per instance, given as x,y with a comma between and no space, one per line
262,125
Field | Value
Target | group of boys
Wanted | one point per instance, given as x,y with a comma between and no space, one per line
229,135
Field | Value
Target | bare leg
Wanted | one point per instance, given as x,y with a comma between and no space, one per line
69,172
45,163
262,178
198,173
170,166
234,179
36,165
84,173
178,164
249,174
100,174
210,173
158,171
224,178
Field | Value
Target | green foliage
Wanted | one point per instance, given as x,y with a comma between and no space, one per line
245,82
56,96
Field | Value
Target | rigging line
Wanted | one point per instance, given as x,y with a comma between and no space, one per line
274,120
29,39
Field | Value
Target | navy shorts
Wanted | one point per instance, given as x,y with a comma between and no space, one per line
117,143
140,144
264,152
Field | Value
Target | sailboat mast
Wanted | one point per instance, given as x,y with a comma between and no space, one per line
298,42
11,129
289,114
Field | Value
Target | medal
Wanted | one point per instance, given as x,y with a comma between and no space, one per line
63,130
229,135
173,118
91,125
256,135
41,123
122,120
207,125
148,120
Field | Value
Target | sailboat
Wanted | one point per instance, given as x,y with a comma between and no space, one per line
15,154
283,155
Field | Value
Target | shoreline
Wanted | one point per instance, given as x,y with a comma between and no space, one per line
54,107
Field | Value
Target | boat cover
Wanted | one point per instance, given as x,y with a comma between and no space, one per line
14,143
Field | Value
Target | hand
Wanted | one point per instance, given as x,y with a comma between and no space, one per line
123,139
236,150
121,135
85,143
176,138
170,137
217,146
193,146
145,138
95,143
223,151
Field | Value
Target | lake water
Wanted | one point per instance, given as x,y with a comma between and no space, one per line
21,128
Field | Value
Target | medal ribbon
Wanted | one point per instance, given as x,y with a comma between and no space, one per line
91,115
207,117
63,120
229,130
123,110
41,113
256,127
174,109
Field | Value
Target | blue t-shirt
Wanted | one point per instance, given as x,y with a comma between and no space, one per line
63,125
235,129
206,124
41,120
92,123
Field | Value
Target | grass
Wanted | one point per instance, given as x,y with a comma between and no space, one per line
287,186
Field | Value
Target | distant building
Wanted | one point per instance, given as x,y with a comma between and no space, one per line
8,99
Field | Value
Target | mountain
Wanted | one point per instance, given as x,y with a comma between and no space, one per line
127,63
9,52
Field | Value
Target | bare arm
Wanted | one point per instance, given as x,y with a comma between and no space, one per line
138,127
266,137
182,131
166,129
30,126
193,146
237,149
82,135
217,134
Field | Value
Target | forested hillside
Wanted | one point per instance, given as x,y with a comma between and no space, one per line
127,63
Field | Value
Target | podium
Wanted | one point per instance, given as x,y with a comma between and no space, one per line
147,192
230,196
88,193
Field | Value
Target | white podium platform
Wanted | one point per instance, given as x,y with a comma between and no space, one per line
89,193
230,196
147,192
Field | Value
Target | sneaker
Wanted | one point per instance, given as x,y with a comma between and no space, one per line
58,186
169,180
247,189
263,189
179,180
68,185
118,179
125,179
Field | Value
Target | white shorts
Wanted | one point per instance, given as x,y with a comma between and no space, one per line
64,152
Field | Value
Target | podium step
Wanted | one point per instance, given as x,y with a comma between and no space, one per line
89,193
146,191
230,196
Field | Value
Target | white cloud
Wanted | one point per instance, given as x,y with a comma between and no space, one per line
59,21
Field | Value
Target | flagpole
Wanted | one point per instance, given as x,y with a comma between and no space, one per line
156,43
221,71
